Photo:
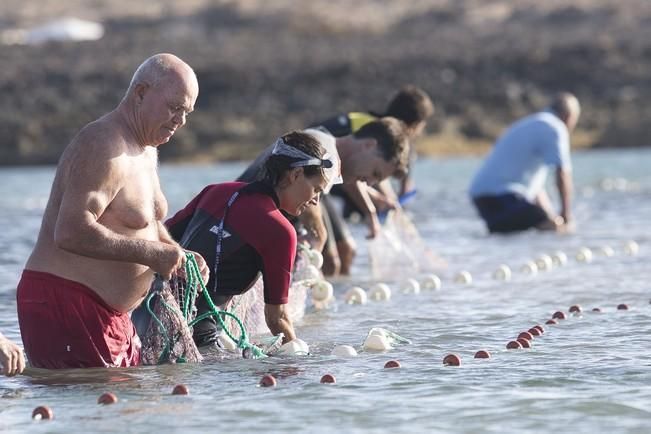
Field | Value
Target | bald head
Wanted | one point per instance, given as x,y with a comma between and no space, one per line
162,68
566,107
161,95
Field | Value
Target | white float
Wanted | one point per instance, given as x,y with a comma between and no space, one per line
356,295
431,281
559,258
529,267
309,273
463,277
544,262
584,255
377,342
296,347
410,286
316,258
631,248
503,272
380,291
606,251
385,335
344,351
322,291
226,341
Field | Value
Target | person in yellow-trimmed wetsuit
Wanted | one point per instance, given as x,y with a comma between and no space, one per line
413,107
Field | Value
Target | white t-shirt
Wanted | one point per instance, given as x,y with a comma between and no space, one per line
521,157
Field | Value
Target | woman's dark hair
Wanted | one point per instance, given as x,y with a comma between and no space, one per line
277,165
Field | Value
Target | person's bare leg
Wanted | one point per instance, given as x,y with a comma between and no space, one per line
331,262
347,250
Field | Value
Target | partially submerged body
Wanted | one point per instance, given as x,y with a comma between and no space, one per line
102,237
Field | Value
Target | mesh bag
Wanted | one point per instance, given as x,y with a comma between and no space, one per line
163,327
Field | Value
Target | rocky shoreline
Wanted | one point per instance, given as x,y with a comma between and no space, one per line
264,69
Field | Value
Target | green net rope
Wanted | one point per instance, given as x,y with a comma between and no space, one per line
194,284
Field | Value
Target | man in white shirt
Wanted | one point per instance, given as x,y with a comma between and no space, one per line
509,188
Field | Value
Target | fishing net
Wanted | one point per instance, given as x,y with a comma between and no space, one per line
249,307
166,337
399,248
164,321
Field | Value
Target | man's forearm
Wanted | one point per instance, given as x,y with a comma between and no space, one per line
543,201
96,241
358,193
564,183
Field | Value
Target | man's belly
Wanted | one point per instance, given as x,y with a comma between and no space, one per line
122,285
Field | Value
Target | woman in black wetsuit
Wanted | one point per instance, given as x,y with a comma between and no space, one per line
241,232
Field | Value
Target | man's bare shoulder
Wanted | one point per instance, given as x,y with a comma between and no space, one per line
98,150
104,137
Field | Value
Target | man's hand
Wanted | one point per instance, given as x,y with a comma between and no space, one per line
169,259
567,226
12,358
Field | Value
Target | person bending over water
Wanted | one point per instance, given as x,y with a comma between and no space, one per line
413,107
376,151
509,188
102,237
240,228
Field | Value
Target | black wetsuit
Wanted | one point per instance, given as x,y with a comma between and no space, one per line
257,238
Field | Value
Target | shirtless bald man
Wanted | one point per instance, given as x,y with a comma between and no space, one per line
102,237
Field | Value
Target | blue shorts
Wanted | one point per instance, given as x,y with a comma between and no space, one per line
509,213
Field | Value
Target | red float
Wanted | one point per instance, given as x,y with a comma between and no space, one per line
575,309
622,306
551,321
525,343
534,331
42,412
482,354
107,398
513,345
559,315
392,364
180,389
452,360
268,381
526,335
328,379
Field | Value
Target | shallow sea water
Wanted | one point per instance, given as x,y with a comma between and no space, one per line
590,373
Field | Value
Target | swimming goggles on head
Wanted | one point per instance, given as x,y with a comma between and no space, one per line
281,148
330,162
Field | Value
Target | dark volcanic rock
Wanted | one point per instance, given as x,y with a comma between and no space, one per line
260,74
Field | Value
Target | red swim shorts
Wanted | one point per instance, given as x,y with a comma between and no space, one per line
65,324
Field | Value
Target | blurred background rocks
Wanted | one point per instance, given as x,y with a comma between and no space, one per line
267,67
